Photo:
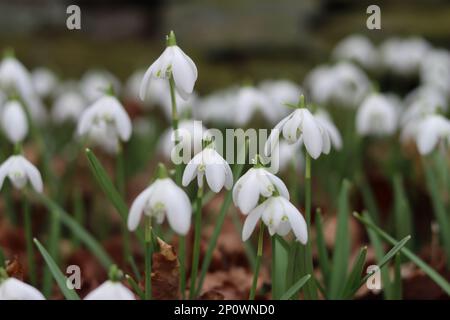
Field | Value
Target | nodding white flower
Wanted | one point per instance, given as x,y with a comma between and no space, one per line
44,81
110,290
255,183
280,92
280,216
300,124
357,48
173,62
14,78
328,129
216,106
94,83
68,107
210,164
105,123
250,100
19,170
163,197
432,130
190,135
376,116
403,56
14,289
435,70
14,121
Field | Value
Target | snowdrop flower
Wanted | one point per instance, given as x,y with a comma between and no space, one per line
210,164
68,107
94,83
255,183
280,216
435,70
300,124
44,81
173,62
280,92
14,121
14,289
328,129
15,79
434,129
357,48
105,123
110,290
219,106
376,116
250,100
19,170
162,198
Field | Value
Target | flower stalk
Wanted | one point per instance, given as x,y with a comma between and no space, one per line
29,240
258,260
196,249
148,258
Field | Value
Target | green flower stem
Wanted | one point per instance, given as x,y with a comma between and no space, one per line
54,236
29,241
258,260
148,258
196,249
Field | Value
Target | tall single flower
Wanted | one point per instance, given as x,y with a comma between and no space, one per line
19,170
173,62
14,121
105,123
434,129
376,116
255,183
210,164
280,216
14,289
162,198
110,290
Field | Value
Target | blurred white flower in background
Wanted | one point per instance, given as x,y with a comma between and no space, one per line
15,79
287,154
280,216
377,115
14,121
94,83
173,62
110,290
14,289
249,101
403,56
68,107
105,123
218,106
280,92
359,49
44,81
432,130
19,171
435,70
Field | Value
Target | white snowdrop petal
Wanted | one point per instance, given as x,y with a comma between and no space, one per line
189,173
215,176
228,176
280,186
14,120
145,83
138,207
249,195
4,169
33,174
251,221
311,135
179,209
184,72
297,222
110,290
14,289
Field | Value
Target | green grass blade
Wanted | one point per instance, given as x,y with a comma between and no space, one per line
295,288
61,280
135,287
402,211
84,236
397,283
279,266
342,245
356,273
369,201
435,276
324,260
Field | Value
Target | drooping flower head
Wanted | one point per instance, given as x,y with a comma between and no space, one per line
174,63
14,121
111,289
432,131
19,171
377,116
14,289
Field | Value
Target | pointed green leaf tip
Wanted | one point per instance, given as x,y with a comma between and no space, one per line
161,171
171,40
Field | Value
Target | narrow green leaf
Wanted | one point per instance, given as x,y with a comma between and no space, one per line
279,266
295,288
435,276
324,260
369,201
61,280
402,211
84,236
397,283
342,244
356,272
135,287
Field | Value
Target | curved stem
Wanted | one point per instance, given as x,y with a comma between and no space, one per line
258,260
196,249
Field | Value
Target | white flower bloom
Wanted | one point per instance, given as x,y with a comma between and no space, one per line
110,290
435,70
328,128
14,289
255,183
94,83
14,78
163,197
44,81
219,106
250,100
300,124
19,170
14,121
376,116
280,216
210,164
172,62
280,92
431,131
68,107
357,48
105,123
